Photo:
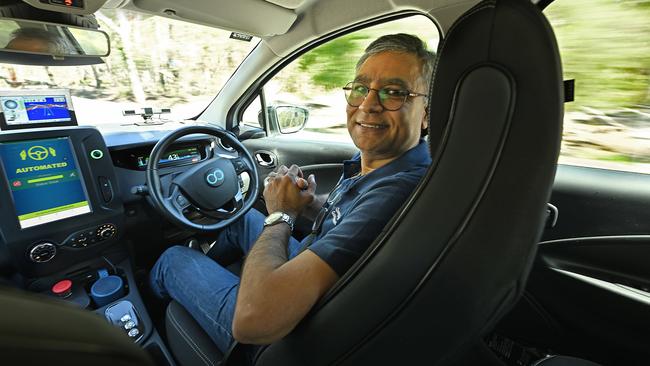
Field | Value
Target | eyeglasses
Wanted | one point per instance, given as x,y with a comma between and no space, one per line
390,98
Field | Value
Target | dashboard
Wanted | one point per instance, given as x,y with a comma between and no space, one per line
180,154
63,191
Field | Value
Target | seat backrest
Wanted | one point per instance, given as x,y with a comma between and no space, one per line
457,256
38,330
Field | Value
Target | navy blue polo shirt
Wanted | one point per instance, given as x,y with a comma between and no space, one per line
361,205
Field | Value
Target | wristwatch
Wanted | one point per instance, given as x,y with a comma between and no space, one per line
277,217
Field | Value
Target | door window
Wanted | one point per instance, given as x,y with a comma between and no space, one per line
605,47
314,80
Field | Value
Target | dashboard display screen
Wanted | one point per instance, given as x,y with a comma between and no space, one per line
30,108
44,179
186,154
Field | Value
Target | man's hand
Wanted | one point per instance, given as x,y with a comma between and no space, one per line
288,191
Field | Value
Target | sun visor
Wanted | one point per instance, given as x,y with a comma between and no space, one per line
254,17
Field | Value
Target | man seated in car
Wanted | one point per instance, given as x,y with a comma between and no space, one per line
283,278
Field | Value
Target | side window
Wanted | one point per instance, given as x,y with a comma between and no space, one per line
310,87
604,46
252,114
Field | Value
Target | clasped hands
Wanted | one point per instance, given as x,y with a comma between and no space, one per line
288,191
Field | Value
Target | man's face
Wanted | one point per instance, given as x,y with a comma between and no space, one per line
30,45
377,132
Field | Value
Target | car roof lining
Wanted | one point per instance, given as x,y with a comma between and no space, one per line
289,4
254,17
322,18
269,19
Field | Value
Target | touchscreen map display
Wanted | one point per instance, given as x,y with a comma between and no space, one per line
34,108
44,179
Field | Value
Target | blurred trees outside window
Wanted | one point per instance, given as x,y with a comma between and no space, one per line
154,62
159,62
605,47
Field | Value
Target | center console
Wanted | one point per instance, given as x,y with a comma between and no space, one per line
62,221
59,201
107,286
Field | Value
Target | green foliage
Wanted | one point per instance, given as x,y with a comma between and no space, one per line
624,158
605,46
641,3
331,65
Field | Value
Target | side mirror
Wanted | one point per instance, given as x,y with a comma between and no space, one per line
289,118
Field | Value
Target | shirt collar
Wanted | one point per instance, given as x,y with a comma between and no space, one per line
416,157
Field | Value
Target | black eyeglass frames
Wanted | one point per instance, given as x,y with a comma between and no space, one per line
390,98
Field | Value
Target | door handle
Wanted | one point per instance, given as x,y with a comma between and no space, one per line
265,158
551,215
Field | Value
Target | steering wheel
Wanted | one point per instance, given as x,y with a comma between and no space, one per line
211,187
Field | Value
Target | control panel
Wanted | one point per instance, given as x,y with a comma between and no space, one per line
54,182
90,236
124,316
45,251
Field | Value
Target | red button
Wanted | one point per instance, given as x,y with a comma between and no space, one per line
62,288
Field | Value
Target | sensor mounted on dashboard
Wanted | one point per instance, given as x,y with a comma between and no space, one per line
147,114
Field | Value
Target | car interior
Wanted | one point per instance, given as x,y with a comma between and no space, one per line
500,256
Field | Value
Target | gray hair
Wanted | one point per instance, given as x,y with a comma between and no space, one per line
55,43
406,43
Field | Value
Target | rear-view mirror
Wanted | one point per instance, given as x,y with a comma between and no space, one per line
49,39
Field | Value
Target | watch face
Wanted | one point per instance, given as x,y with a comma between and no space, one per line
273,217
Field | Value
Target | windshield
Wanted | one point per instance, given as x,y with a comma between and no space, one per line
154,63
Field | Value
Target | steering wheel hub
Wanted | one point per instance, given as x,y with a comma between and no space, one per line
215,178
209,186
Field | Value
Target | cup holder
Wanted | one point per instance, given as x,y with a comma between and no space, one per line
107,289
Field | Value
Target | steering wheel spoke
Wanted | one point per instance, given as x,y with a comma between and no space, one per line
229,209
176,199
240,165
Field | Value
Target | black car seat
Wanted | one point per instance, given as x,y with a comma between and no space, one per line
39,330
456,257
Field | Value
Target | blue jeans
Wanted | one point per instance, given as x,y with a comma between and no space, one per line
204,288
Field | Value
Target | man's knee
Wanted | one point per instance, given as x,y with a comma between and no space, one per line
175,251
169,261
172,254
